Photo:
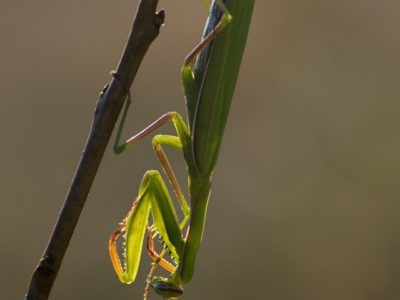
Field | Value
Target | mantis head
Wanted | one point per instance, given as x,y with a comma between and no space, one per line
166,289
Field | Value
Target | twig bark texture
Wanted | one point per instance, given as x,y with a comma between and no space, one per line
145,29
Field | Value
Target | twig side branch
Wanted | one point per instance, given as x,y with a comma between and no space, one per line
144,30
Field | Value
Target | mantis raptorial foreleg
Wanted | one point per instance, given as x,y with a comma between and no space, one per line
158,258
154,196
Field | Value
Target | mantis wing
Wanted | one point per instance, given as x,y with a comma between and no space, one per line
218,82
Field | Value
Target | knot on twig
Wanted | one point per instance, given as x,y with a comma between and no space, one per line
45,267
125,86
121,80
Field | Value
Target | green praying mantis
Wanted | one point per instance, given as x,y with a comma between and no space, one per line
209,76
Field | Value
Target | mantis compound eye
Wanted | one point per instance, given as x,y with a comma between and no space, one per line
166,289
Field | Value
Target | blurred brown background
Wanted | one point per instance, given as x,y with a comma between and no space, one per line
305,199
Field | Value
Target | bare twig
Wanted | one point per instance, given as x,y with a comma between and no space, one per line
145,29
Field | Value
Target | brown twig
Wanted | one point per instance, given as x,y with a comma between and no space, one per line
145,29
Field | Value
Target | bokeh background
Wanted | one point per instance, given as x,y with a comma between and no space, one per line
305,201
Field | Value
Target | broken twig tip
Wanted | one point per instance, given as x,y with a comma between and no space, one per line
159,18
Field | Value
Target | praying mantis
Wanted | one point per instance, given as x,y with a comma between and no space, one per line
209,75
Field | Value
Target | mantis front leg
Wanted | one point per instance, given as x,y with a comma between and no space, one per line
153,195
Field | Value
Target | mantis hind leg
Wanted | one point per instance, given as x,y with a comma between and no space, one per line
191,80
225,20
